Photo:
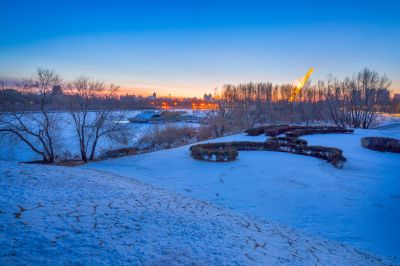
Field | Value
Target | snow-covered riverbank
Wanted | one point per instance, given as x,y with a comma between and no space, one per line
358,205
57,215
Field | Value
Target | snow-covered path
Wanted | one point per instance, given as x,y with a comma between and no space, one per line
358,205
58,215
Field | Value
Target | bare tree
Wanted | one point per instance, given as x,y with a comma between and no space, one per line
365,96
337,101
218,120
93,115
355,101
37,129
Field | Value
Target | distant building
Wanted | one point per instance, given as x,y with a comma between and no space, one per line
207,97
9,95
396,97
57,90
127,97
383,96
154,97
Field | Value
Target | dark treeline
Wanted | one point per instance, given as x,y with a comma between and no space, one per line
352,102
61,95
58,100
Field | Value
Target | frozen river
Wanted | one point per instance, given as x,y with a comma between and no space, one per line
67,142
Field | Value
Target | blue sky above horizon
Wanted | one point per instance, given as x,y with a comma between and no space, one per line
186,48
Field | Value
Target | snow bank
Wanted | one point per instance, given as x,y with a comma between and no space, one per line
357,205
57,215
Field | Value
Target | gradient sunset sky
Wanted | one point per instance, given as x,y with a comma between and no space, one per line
186,48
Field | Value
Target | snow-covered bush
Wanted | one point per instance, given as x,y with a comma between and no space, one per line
228,151
256,131
287,140
381,144
330,154
317,130
214,153
120,152
295,131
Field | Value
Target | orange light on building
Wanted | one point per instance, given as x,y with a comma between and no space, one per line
204,106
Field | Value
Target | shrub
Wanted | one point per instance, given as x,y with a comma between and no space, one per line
214,153
205,132
295,131
288,140
228,151
262,129
331,155
381,144
316,130
168,136
120,152
255,131
277,130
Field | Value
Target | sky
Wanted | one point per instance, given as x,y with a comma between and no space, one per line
187,48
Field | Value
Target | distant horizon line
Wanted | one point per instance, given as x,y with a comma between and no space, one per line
146,92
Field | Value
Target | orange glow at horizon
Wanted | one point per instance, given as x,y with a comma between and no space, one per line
195,106
161,92
204,106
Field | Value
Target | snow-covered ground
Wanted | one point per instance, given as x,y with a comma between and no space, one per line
384,119
63,216
357,205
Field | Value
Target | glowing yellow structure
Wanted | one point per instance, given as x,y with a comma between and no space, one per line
300,84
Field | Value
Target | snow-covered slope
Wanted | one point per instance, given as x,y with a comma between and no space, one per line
358,205
57,215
